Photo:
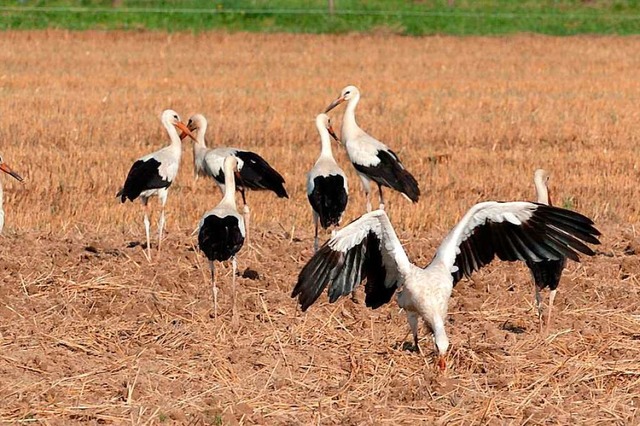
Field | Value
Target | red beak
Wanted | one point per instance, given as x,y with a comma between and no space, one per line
185,131
442,363
334,104
8,170
333,133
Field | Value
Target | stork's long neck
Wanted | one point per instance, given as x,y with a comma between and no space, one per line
325,138
349,125
229,186
176,143
542,191
200,146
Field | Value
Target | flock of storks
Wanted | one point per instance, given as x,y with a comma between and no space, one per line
367,249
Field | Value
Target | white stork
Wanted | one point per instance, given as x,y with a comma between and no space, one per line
154,173
327,188
545,273
255,173
372,159
369,248
5,168
221,231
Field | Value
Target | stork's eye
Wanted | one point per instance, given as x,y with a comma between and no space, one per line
346,93
176,117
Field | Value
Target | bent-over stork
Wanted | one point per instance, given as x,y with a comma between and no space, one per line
154,173
545,273
327,188
255,172
369,248
5,168
221,232
372,159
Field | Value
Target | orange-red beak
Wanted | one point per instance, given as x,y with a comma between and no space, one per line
185,131
8,170
334,104
442,362
333,133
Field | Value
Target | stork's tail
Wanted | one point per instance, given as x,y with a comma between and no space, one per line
121,195
407,184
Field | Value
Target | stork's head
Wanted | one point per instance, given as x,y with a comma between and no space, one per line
323,121
541,181
171,118
5,168
231,166
197,124
541,176
348,93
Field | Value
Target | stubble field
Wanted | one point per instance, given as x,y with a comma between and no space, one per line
91,332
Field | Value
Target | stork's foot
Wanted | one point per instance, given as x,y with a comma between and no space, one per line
354,297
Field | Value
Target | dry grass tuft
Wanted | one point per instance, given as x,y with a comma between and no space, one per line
92,333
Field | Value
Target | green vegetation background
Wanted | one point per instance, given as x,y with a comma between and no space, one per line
410,17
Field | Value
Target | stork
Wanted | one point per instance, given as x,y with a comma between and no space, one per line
373,160
327,188
5,168
255,173
154,173
369,248
221,232
545,273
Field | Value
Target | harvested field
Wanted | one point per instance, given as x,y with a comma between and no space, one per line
90,332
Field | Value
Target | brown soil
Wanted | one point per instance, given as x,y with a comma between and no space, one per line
91,332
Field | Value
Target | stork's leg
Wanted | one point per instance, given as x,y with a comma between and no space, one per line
538,297
412,318
246,216
366,186
162,195
381,207
214,288
147,225
234,316
315,240
552,296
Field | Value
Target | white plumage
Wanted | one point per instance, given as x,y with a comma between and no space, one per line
254,171
373,160
327,188
154,173
368,248
221,231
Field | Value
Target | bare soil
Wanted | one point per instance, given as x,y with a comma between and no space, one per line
93,333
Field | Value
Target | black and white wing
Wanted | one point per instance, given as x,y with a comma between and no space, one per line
145,174
368,248
525,231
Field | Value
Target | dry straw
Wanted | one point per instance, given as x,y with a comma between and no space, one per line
92,333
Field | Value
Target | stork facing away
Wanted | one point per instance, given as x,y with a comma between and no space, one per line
221,232
154,173
545,273
373,160
5,168
368,248
327,188
255,172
